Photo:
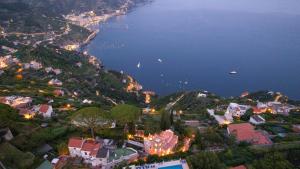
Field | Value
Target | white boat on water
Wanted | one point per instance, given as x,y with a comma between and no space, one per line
138,65
233,72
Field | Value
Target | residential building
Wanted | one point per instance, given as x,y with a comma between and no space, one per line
201,95
58,92
237,110
35,65
246,132
257,120
222,120
55,71
296,128
55,82
16,101
160,144
98,155
48,69
244,94
6,61
279,108
45,110
257,110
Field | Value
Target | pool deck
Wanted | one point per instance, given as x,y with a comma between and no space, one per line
182,163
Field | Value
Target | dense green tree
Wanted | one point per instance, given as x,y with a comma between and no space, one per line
294,157
212,136
273,160
247,115
125,114
171,118
199,141
178,127
90,118
62,149
205,160
165,122
8,115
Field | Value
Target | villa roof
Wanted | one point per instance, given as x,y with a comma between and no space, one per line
2,99
75,142
258,118
246,132
91,146
44,108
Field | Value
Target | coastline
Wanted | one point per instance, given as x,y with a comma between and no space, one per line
94,27
85,43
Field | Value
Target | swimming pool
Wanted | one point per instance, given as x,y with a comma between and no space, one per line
172,167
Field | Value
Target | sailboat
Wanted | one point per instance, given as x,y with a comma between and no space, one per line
233,72
138,65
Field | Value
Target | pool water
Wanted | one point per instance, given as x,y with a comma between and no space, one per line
172,167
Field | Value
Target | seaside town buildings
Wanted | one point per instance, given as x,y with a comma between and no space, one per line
24,105
161,144
16,101
274,107
5,61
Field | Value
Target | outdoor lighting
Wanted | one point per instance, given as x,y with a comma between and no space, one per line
19,77
28,116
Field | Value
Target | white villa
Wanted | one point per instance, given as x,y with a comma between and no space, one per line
55,82
161,144
96,154
45,110
237,110
222,120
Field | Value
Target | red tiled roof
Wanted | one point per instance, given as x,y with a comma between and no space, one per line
2,99
246,132
239,167
44,108
91,146
75,142
58,92
258,110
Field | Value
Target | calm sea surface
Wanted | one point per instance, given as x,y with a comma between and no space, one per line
194,44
